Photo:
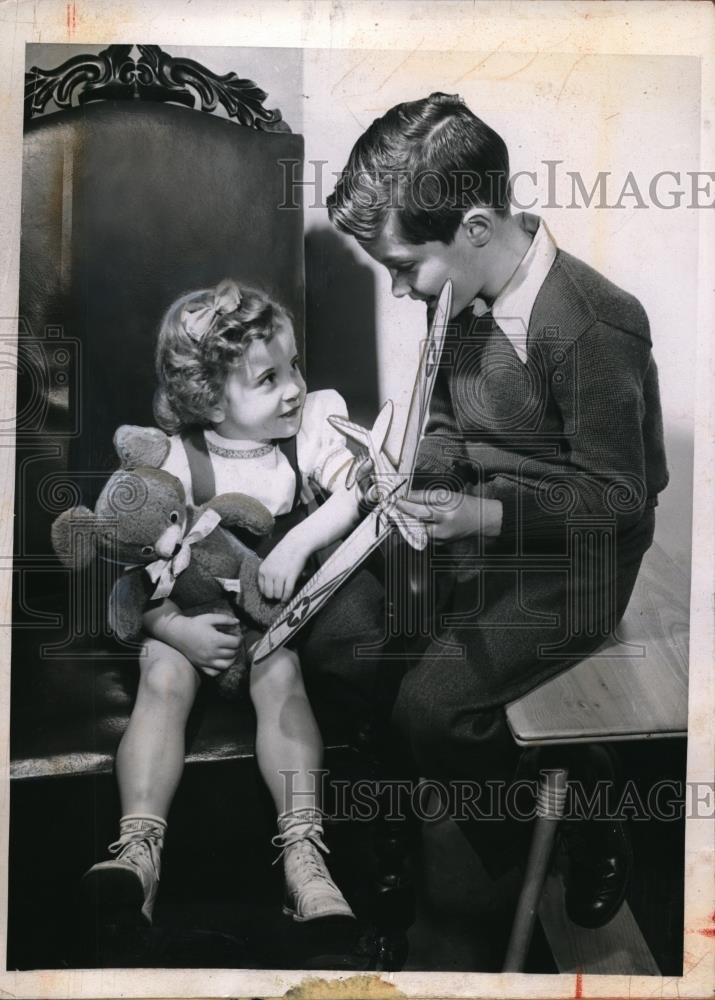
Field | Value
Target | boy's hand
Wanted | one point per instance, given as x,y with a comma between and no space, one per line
279,571
361,475
453,515
204,642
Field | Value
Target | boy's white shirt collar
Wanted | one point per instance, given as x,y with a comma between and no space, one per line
513,306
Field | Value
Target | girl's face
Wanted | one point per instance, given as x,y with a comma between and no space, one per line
263,397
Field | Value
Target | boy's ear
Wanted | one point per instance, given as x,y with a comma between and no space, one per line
478,225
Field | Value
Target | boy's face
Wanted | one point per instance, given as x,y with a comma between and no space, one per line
420,270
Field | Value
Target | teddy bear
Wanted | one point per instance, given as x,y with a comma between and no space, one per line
142,522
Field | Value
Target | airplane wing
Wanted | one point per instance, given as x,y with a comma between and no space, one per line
418,413
377,525
351,430
325,581
371,440
412,530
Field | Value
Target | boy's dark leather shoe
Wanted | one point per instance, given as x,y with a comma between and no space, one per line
599,870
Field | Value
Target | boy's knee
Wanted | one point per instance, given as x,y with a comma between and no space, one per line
423,715
166,674
435,716
448,738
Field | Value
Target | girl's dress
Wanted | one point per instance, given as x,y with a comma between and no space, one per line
281,474
264,471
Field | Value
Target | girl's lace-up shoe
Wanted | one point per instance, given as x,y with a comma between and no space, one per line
130,880
310,891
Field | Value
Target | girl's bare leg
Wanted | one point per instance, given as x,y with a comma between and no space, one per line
289,750
150,759
287,737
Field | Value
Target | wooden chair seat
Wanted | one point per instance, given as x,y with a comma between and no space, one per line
634,687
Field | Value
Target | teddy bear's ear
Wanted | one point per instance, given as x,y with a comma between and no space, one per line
145,446
74,537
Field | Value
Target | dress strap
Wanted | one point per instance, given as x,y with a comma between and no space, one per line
289,447
203,481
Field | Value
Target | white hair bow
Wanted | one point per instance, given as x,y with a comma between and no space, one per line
197,321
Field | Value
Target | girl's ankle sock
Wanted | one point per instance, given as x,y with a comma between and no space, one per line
141,821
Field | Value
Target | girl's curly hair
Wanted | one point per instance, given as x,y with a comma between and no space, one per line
192,371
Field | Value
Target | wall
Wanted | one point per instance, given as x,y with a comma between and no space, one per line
594,113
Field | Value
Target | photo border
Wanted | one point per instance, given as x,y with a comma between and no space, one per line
581,28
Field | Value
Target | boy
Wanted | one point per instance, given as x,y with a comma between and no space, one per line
545,423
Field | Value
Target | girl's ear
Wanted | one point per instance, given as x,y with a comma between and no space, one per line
217,414
74,537
478,225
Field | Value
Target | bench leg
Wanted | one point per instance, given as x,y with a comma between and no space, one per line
550,803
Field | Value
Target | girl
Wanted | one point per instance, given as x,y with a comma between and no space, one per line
232,395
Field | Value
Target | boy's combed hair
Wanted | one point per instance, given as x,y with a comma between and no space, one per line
192,372
432,160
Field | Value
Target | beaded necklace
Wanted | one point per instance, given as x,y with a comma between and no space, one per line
259,452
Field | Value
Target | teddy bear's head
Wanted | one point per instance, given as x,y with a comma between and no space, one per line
139,516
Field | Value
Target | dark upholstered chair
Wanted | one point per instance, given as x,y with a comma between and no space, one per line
126,203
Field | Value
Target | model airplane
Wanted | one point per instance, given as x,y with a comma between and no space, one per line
389,485
387,482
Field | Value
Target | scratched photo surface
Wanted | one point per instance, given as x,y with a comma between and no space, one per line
147,170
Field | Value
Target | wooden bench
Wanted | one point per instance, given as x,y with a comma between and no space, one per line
634,688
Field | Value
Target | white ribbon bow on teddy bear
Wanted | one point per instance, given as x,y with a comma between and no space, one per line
163,572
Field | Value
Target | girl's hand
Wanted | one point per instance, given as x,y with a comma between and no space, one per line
451,516
279,571
204,642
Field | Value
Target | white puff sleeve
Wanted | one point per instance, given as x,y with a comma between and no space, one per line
323,454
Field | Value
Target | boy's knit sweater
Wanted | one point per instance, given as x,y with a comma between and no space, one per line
575,433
